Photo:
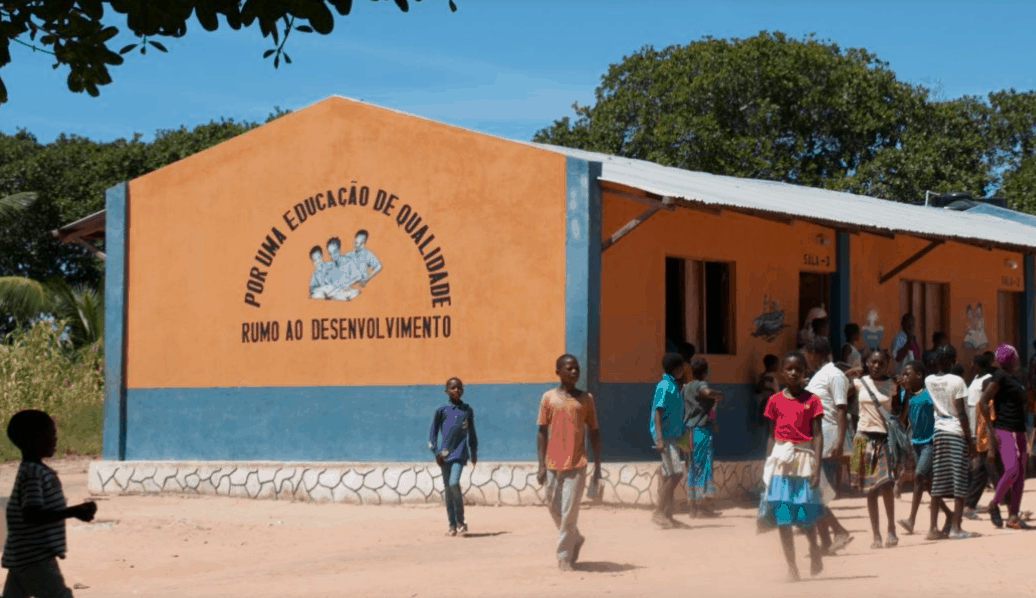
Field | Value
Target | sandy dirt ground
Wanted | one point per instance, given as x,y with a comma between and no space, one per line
200,547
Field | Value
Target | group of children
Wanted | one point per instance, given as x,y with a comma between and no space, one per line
958,438
682,426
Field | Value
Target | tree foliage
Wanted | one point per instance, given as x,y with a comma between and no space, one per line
80,36
804,111
69,177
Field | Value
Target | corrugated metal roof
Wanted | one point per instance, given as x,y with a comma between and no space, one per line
820,205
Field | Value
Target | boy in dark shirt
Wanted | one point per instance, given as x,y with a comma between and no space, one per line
36,512
456,420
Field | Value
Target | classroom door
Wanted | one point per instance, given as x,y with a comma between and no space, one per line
814,291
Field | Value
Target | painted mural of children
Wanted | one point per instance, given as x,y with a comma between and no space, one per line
699,406
36,512
456,421
872,332
667,426
565,415
344,274
792,470
975,333
364,260
320,286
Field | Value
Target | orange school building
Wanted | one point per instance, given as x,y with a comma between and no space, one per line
239,330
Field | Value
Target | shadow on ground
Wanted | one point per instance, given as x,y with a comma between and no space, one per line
604,567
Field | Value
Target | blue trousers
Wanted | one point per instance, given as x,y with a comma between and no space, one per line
451,494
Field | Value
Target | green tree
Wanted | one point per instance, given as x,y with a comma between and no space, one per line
69,177
770,107
80,36
807,112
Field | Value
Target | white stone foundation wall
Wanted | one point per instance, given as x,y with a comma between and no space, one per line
488,483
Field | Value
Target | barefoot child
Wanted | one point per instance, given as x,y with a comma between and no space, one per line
699,402
456,420
565,414
953,447
792,470
667,426
36,512
831,386
921,417
873,468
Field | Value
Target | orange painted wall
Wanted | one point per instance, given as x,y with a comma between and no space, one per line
974,275
768,257
495,207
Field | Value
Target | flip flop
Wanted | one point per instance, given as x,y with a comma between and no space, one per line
841,543
962,535
1018,524
934,535
995,516
891,542
877,544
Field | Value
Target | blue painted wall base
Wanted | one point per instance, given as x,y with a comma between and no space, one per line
350,423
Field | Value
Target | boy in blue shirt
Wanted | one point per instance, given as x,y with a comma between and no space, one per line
920,412
666,429
456,421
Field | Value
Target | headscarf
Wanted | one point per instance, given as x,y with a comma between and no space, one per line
1006,354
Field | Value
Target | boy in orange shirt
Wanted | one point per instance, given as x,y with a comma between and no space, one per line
564,415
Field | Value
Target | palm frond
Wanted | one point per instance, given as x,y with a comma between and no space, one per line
23,298
12,205
81,308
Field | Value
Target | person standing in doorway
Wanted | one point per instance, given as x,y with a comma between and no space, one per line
666,427
815,325
904,346
456,421
565,415
831,386
1007,394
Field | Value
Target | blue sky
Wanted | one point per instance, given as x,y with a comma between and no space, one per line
507,67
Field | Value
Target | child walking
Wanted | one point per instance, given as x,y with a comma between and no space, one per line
667,426
36,512
1007,395
792,470
699,402
921,415
983,467
456,421
873,467
565,414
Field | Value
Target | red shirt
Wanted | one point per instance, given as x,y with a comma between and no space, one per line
793,418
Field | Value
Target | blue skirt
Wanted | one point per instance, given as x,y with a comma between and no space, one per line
699,464
791,501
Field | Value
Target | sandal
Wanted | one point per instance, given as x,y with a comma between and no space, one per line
961,535
892,541
995,516
840,543
1018,524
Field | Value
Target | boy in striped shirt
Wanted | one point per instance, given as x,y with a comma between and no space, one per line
36,513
